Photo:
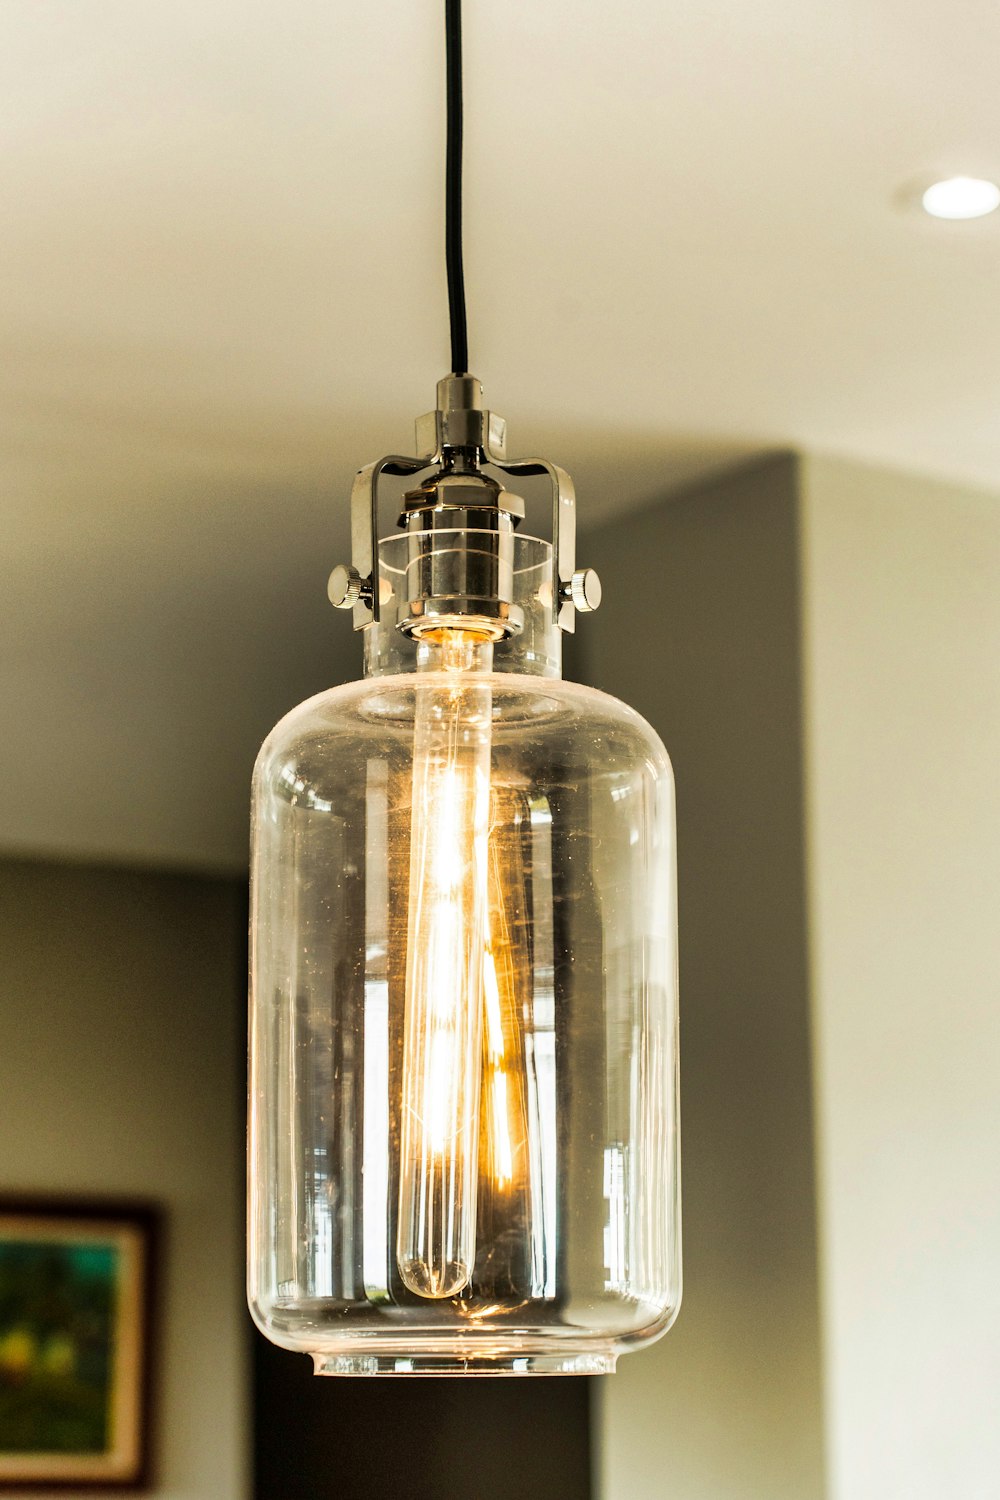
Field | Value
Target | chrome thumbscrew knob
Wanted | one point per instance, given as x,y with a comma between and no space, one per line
345,586
585,590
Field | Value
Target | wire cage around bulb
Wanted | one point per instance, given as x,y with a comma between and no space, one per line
464,1136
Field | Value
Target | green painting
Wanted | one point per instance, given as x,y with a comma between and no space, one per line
57,1328
74,1358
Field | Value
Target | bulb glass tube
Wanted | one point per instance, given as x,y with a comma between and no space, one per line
446,938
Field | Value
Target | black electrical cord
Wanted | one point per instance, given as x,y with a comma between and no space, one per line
453,190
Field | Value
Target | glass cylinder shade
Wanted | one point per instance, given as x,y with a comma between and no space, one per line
463,1099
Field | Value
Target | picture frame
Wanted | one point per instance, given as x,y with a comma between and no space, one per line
76,1328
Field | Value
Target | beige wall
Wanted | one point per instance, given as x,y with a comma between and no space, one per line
902,616
121,1045
700,632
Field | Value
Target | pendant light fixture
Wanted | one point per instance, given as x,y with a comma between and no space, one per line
463,1109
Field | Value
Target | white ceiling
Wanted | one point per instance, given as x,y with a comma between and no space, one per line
221,291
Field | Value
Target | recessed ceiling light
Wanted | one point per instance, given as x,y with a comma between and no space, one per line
961,198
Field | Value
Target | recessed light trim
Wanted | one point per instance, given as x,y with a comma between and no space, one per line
961,198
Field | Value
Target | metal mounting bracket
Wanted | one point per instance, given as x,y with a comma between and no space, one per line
563,528
364,530
460,422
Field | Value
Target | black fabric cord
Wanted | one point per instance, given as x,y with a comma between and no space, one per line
453,190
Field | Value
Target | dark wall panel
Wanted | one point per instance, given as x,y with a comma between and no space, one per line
700,631
319,1438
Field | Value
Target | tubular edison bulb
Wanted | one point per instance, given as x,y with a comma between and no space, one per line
446,944
464,1126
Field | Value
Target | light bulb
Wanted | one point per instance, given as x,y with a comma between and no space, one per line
464,1153
961,198
446,945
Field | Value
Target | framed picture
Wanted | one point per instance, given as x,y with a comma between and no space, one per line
75,1315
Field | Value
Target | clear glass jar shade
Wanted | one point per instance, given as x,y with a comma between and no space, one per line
463,1108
